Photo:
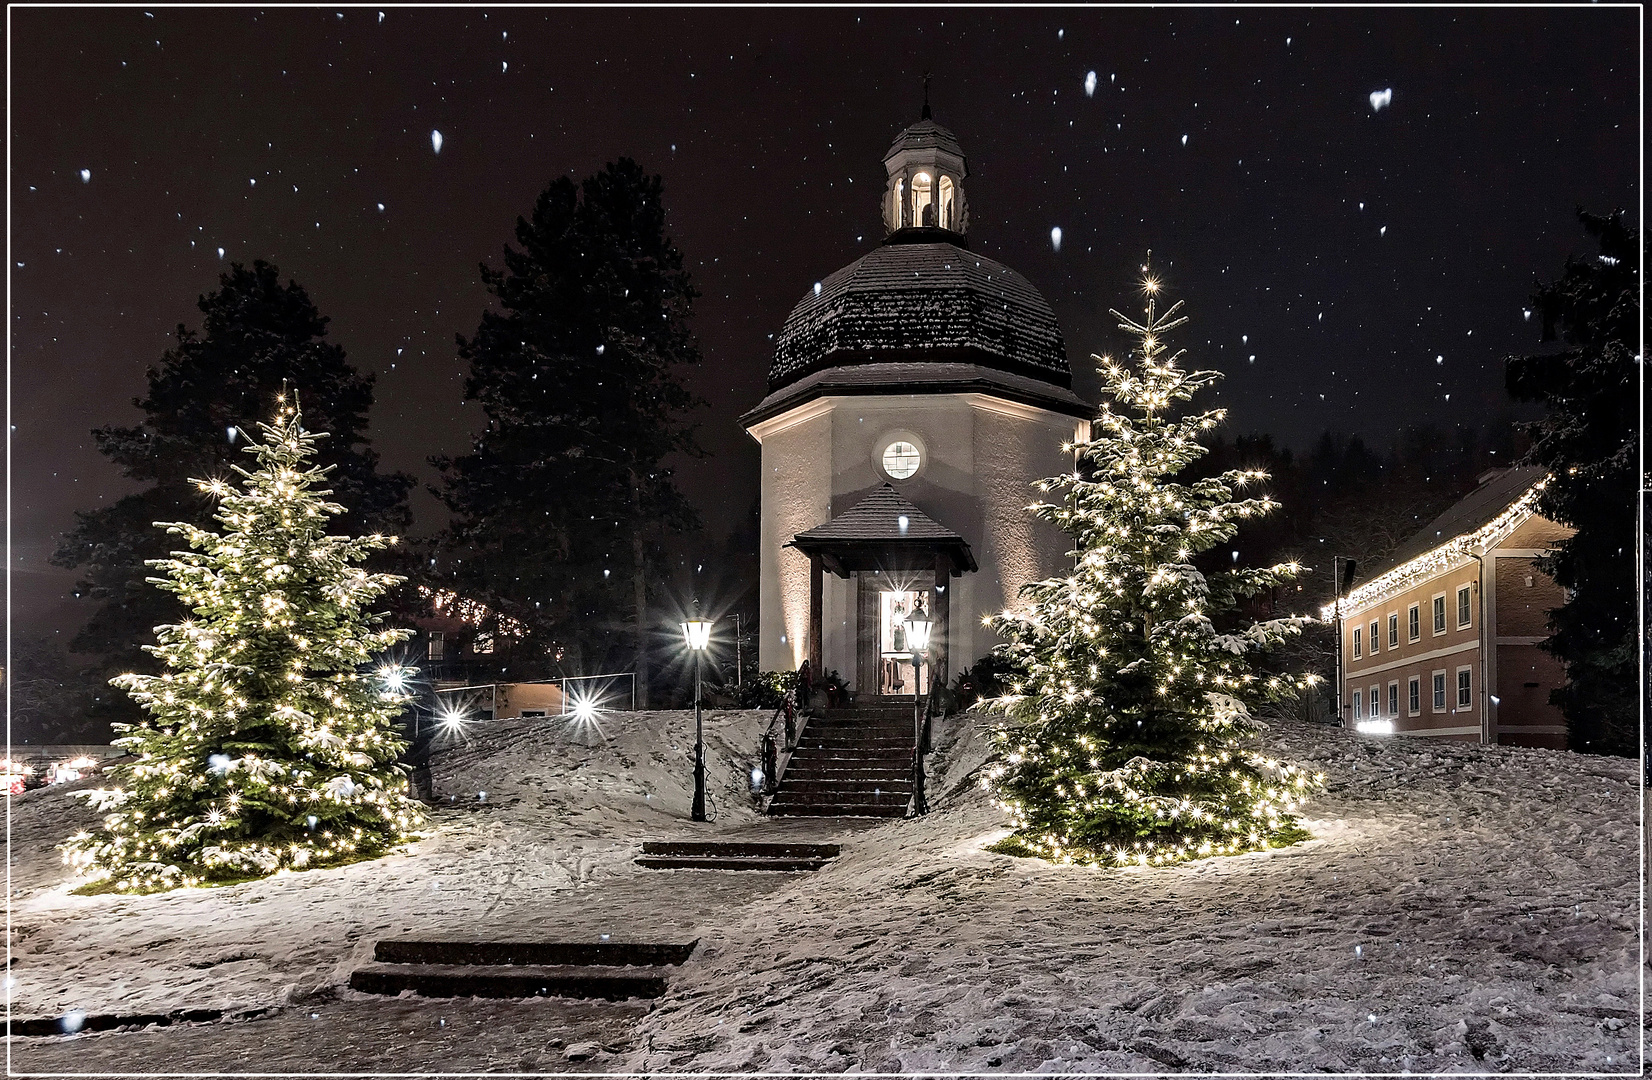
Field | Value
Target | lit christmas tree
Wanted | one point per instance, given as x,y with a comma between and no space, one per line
1123,739
267,746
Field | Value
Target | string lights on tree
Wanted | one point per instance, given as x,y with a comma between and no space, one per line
269,745
1123,739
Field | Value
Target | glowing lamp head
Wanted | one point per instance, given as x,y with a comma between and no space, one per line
917,631
394,677
697,632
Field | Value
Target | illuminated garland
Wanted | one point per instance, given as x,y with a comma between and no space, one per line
1447,556
267,746
470,612
1122,740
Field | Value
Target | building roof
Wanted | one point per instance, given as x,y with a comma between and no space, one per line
917,301
1480,519
1499,491
935,376
926,134
881,530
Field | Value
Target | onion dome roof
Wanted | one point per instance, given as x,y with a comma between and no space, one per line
919,298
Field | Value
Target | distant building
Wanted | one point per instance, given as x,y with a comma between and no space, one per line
915,398
1459,608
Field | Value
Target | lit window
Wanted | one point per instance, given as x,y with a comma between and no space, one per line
1413,623
1465,604
437,643
1393,630
900,203
1393,699
1374,638
1439,614
1376,702
1414,695
948,202
1439,691
1465,689
923,199
901,459
1357,653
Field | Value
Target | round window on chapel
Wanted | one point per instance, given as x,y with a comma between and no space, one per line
901,460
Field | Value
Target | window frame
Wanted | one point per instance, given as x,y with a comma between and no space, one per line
1437,615
1359,703
1375,633
1465,687
435,645
1437,690
1394,698
1355,652
1414,696
1465,592
1414,622
1376,701
1393,629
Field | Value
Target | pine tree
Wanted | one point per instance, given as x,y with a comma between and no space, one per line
266,747
1587,441
256,335
565,502
1128,713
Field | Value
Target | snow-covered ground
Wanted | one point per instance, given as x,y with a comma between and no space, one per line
1459,909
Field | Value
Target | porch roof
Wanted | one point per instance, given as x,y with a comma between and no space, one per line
884,531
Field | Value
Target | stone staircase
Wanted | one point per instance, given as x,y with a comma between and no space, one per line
733,855
851,762
519,969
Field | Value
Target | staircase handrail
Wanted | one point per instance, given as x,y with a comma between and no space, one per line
777,756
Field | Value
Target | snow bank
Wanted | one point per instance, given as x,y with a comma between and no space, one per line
1460,908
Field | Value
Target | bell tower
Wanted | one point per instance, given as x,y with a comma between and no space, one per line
926,169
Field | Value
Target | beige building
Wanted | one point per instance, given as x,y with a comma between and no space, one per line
1457,610
915,398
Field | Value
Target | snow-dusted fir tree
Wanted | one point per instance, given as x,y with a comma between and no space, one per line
1124,734
267,746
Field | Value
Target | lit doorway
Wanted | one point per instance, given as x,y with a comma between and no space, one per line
895,674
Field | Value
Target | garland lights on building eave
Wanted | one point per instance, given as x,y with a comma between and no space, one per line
471,612
1447,556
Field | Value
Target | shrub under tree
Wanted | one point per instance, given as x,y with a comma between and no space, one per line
1130,702
267,746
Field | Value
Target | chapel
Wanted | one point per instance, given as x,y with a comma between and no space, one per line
915,398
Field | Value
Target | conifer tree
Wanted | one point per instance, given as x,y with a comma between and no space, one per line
267,746
1125,729
256,335
1587,441
565,504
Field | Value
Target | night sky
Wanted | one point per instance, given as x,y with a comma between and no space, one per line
1347,267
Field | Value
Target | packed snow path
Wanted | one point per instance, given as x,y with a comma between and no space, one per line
1459,909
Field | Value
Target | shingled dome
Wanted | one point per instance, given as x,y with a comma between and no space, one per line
914,302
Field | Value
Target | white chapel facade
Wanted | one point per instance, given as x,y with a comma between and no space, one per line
916,396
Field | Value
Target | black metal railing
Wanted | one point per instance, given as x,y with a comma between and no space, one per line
786,724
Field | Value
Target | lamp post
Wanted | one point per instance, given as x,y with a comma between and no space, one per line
697,632
917,636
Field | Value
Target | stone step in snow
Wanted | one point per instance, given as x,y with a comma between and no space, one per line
509,981
533,953
837,810
734,855
756,848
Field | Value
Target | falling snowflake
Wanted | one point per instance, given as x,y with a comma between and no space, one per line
817,288
1383,231
220,253
1439,359
1090,84
436,140
86,176
381,208
381,16
504,66
1381,98
1055,238
1184,140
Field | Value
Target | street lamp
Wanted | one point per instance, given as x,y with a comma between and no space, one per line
917,636
697,632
